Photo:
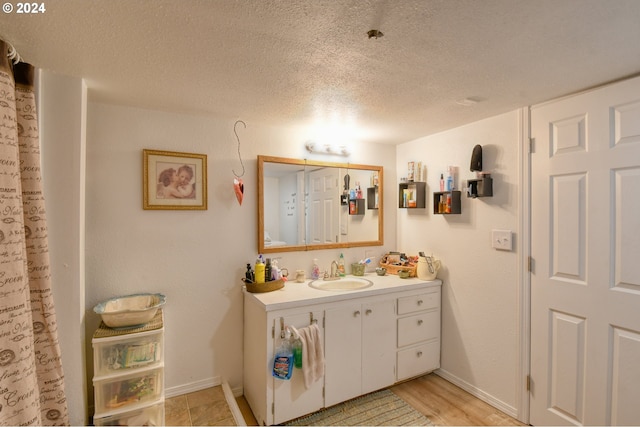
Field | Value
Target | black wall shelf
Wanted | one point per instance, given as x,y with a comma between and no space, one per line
415,195
447,203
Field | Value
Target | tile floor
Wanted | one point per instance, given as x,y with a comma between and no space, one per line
206,407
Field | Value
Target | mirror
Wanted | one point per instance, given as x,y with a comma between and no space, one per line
306,205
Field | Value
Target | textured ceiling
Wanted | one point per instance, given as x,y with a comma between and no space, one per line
310,64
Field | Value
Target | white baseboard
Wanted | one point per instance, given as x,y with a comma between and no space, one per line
233,405
475,391
191,387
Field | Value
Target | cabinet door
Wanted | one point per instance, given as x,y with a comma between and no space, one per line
343,350
378,345
290,397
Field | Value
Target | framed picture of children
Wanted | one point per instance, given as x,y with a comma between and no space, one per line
174,180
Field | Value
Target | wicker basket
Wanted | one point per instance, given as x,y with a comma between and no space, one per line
393,269
272,285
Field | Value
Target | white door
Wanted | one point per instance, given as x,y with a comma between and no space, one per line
324,206
290,397
585,245
343,352
378,345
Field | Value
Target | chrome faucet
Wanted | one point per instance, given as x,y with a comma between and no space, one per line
335,275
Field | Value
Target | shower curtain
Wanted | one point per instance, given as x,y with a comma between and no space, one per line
31,377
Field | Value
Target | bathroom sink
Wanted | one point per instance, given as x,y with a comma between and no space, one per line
344,284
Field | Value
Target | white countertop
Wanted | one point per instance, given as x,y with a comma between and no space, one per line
301,294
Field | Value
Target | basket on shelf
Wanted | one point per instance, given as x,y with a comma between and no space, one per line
272,285
394,269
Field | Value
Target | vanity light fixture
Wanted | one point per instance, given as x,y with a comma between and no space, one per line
314,147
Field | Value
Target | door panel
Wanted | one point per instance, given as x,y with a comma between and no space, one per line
342,353
378,345
291,398
585,243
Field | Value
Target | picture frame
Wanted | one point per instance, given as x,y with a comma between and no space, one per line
174,180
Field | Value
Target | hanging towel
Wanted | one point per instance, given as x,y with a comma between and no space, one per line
312,353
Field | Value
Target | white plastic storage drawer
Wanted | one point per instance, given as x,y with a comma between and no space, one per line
119,392
149,416
418,302
418,360
117,354
419,327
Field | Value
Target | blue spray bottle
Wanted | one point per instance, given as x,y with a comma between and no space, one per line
283,360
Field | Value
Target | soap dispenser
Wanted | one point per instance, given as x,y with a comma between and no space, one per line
315,271
341,271
259,270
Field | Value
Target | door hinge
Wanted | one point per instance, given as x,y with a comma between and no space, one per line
532,145
529,263
273,332
528,382
323,392
273,408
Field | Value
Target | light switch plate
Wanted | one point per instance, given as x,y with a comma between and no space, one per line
502,239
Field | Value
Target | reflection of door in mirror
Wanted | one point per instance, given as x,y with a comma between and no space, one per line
284,219
324,205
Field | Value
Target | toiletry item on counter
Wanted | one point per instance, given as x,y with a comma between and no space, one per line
283,360
341,271
300,278
267,270
259,270
249,275
276,274
315,270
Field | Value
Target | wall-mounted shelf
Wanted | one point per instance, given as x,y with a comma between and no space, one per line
412,195
447,203
356,206
372,198
481,187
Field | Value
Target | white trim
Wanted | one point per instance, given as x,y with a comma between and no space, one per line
233,405
524,276
191,387
473,390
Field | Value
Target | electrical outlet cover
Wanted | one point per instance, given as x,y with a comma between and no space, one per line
502,239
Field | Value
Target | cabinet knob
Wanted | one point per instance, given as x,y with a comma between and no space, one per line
419,354
419,302
356,313
368,311
420,321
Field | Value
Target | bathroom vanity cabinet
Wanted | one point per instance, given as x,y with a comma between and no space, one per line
372,338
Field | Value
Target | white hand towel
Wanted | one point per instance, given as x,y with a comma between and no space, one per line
312,353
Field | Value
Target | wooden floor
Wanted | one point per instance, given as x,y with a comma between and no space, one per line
442,402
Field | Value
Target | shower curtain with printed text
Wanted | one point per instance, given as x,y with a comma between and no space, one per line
31,377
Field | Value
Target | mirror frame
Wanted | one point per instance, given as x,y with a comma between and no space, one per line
291,248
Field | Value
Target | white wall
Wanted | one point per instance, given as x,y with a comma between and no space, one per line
480,294
196,258
62,117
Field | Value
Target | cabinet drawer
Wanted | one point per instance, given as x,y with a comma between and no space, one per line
116,355
418,360
123,391
418,327
149,416
418,302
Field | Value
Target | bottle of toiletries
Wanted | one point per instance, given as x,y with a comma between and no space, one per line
450,178
296,347
267,271
448,208
276,273
283,360
249,274
315,270
341,271
441,182
260,270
